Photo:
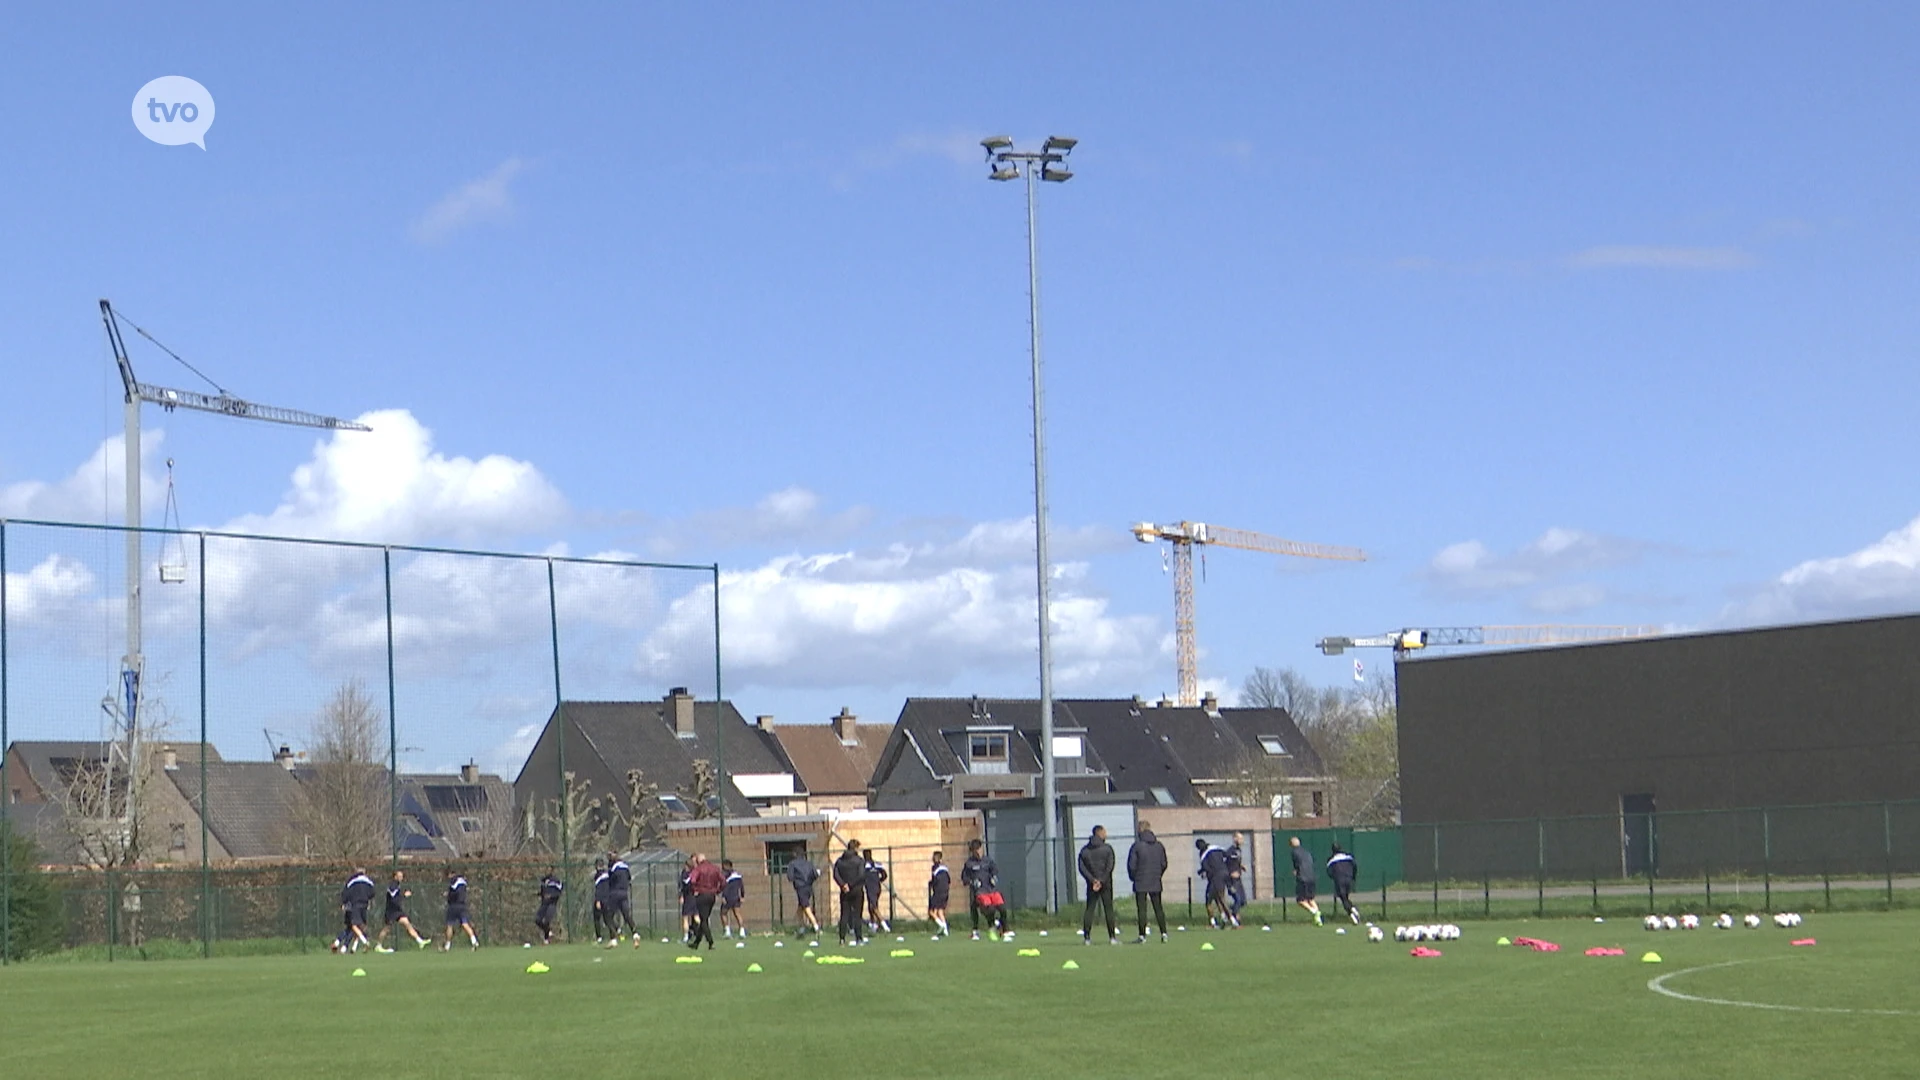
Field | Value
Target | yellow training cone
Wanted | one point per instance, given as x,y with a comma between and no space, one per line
1028,952
1651,958
1206,946
537,968
359,973
689,959
1503,941
898,954
755,968
1070,966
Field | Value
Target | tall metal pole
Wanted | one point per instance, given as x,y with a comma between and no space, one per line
719,719
1048,799
206,864
6,830
393,723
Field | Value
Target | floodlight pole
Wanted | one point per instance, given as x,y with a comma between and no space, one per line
1035,166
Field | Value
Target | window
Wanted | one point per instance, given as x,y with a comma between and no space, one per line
987,752
1069,755
1283,806
469,824
1319,804
1161,796
1273,746
177,837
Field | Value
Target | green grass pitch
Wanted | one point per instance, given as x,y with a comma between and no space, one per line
1296,1002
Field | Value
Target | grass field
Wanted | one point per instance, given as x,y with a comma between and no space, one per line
1298,1002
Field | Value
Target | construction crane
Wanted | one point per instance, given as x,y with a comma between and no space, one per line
137,393
1403,642
1185,537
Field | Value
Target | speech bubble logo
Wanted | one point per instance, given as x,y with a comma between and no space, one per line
174,110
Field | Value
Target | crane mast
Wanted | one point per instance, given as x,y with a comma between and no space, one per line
1409,640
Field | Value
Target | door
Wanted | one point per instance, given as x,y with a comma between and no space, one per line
1639,839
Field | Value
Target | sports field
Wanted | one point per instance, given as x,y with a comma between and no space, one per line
1296,1002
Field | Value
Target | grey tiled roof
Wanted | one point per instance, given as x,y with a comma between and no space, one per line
638,734
251,809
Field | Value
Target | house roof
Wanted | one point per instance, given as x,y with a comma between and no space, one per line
1138,746
639,735
437,802
252,806
43,758
827,766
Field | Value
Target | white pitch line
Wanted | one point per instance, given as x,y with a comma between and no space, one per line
1659,985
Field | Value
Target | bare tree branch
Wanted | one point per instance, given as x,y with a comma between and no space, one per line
340,808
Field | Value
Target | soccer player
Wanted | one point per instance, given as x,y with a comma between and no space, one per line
355,896
1304,879
619,900
1147,866
939,886
1212,859
876,878
850,874
601,894
801,874
688,907
457,911
982,877
731,895
1096,869
550,890
1343,869
706,881
396,913
1236,878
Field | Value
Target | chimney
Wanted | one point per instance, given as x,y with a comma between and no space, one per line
169,758
680,711
764,723
1165,702
843,726
1211,703
469,773
283,757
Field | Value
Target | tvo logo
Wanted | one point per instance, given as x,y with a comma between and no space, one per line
174,110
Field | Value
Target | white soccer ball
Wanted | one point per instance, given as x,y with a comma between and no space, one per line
1753,922
1008,936
1340,930
1400,933
1670,923
1689,922
1653,922
1793,918
1375,934
1043,933
1724,922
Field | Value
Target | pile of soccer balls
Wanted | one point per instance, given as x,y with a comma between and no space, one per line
1668,922
1447,932
1786,919
1724,922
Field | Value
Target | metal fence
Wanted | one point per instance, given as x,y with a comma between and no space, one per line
123,652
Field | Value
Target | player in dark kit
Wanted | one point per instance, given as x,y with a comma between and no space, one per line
982,877
850,874
1213,869
1236,877
550,890
801,874
1147,866
1342,869
1096,870
875,882
601,892
732,893
1305,879
619,900
396,913
457,911
939,889
355,897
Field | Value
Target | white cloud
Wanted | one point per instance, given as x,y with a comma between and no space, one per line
1663,258
792,515
58,585
97,485
489,198
1881,578
1472,570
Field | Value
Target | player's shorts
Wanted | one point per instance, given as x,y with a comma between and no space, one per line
457,916
356,916
938,900
727,904
544,916
689,906
1303,890
990,899
803,898
392,915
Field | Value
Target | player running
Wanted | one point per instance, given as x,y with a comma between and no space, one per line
875,881
1342,868
688,907
602,892
619,900
1236,878
801,874
396,913
939,886
1212,859
457,911
550,890
982,877
732,892
355,896
1305,879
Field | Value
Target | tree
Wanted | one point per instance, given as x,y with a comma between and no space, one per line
105,801
575,821
1353,729
35,921
341,810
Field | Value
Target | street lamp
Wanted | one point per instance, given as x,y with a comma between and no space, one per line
1048,163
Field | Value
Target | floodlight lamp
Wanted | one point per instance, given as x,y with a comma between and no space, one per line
1004,172
1061,143
996,142
1058,176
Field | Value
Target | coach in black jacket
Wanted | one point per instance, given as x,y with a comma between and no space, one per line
1147,866
1096,869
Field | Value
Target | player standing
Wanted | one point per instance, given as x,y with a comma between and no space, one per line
850,874
550,890
1343,869
619,900
1096,869
688,906
1147,867
801,874
939,886
731,894
396,913
706,880
1305,879
355,897
982,877
1236,878
875,880
601,895
457,911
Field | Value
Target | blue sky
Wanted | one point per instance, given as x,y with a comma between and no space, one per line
1565,313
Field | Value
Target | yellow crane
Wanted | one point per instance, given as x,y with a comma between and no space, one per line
1403,642
1184,537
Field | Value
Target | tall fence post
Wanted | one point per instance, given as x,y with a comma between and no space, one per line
1886,834
6,796
1540,842
1766,855
1383,897
1707,869
719,719
1436,871
393,724
560,744
206,862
